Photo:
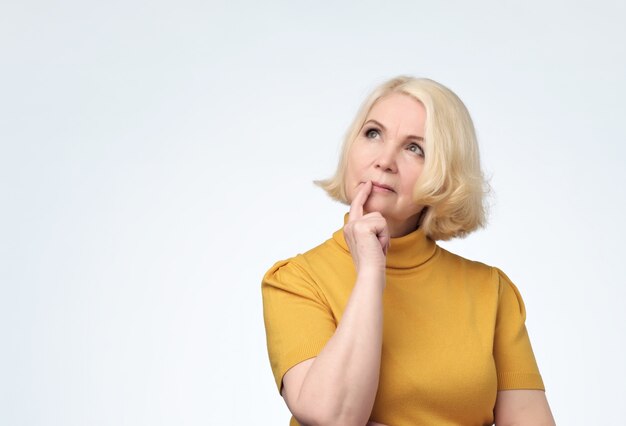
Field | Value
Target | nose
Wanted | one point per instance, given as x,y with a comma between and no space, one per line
386,159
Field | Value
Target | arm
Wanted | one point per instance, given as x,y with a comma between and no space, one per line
340,384
521,407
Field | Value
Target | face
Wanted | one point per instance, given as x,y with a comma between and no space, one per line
389,151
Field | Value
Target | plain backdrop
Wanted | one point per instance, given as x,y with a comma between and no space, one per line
157,158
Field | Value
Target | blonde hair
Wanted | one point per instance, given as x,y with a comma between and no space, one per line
451,187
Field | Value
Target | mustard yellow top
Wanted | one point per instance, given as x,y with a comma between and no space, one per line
453,329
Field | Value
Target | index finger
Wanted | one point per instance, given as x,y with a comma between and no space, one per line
356,207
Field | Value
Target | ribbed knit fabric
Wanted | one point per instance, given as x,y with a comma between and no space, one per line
453,330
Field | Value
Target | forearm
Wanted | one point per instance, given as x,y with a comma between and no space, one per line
342,382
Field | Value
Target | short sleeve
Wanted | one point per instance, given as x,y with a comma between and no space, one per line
513,354
298,321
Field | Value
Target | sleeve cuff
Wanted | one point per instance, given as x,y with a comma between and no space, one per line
520,381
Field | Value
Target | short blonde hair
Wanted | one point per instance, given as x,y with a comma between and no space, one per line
451,187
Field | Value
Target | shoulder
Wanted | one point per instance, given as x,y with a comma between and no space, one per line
302,266
325,255
480,273
463,265
287,271
490,278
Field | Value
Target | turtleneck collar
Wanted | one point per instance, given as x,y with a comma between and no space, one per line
408,251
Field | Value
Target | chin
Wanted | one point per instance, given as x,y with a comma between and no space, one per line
373,206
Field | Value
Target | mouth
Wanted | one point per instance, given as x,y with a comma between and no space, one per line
382,186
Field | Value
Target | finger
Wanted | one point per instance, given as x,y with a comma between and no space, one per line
385,239
356,208
384,244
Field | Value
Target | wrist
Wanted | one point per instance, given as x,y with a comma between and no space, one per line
371,274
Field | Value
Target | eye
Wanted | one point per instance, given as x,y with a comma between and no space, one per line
372,133
415,148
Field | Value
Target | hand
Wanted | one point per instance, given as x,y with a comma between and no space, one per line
367,235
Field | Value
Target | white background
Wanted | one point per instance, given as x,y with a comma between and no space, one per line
157,157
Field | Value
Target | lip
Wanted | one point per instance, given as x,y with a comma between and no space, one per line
383,186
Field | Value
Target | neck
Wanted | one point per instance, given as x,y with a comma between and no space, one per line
397,230
401,228
407,251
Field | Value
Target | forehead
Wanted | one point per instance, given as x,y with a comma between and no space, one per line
398,109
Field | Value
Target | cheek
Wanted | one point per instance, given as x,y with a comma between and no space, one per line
409,184
351,190
351,175
348,185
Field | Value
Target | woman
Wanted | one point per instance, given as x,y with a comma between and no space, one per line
380,325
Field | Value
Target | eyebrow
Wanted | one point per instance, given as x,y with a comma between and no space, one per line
419,138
